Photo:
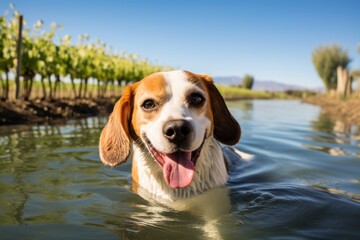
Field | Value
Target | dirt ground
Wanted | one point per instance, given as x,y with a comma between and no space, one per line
346,110
40,111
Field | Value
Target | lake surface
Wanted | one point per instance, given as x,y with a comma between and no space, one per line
303,182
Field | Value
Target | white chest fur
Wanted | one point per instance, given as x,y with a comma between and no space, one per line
210,172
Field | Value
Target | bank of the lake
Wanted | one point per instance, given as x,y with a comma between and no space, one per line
43,111
346,110
231,93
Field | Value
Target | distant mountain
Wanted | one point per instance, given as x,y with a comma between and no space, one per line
270,86
231,80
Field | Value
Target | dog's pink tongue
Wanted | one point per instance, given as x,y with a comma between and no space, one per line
178,169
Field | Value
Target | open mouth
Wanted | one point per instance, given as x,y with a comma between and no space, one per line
178,167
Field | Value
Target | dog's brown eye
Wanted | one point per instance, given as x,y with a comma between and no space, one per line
148,104
196,99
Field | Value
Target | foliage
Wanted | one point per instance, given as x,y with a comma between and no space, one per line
229,93
326,59
300,93
248,81
80,63
7,51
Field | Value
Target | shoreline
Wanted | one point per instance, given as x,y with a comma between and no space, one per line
345,110
37,111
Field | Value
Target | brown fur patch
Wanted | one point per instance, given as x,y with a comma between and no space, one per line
151,87
226,129
114,145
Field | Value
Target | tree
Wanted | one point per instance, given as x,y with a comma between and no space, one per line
65,60
247,81
30,58
7,49
84,62
48,63
326,59
355,75
4,63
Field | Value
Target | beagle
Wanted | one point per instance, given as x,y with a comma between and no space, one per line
173,122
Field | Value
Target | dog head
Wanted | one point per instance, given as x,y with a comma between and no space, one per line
171,114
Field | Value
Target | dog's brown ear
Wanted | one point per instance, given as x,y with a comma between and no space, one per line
114,145
226,129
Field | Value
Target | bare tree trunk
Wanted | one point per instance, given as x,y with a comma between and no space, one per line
2,96
73,87
98,88
113,88
105,88
85,87
342,81
2,93
25,87
6,84
43,88
30,87
57,87
50,88
80,88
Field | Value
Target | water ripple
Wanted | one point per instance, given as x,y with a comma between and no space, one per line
302,183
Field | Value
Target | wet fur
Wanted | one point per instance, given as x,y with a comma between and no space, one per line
126,123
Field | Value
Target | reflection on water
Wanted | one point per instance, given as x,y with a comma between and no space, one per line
42,162
343,136
302,183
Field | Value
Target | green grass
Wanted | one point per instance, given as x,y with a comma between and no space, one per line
236,93
66,90
228,92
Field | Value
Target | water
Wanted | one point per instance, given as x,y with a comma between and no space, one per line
303,183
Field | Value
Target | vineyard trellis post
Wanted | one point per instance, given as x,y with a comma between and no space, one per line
18,53
27,53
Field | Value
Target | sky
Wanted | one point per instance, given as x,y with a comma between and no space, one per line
271,40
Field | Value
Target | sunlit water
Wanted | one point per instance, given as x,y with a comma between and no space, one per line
303,182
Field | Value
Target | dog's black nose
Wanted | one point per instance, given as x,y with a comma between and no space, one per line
177,131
